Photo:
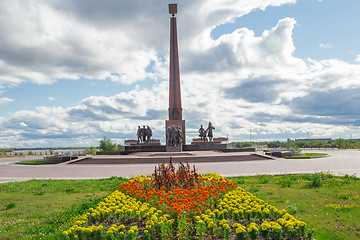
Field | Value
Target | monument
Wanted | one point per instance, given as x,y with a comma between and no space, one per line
204,134
207,140
175,126
144,138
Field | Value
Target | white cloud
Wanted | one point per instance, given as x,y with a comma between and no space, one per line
23,124
51,98
5,100
51,44
44,41
237,81
325,45
357,59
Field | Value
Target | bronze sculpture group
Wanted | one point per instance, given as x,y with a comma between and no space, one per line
174,136
204,134
144,134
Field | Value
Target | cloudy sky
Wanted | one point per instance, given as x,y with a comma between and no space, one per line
72,72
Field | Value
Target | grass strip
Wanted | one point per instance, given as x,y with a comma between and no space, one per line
36,162
308,155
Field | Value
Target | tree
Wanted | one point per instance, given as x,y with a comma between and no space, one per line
340,143
93,150
107,146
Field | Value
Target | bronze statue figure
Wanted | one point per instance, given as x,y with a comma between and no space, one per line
210,131
144,134
139,135
202,134
148,134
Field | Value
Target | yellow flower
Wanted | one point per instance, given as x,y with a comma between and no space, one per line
226,226
253,227
240,230
266,211
121,227
211,225
263,227
134,228
236,225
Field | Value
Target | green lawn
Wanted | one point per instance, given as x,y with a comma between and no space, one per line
42,209
36,162
320,200
38,208
308,155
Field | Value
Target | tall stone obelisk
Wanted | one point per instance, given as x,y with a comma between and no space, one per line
175,109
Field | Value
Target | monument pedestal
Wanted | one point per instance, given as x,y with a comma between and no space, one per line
198,144
220,140
136,143
174,148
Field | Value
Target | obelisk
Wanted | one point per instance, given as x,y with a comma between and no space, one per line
175,109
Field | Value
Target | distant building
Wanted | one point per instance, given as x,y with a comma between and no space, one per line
313,139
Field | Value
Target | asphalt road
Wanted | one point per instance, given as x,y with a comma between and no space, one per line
339,162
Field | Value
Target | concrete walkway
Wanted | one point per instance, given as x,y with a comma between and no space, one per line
339,162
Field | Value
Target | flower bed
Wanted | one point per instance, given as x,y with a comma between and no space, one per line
181,204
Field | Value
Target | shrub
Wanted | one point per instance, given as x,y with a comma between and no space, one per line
285,182
315,180
168,177
263,179
10,205
93,150
293,208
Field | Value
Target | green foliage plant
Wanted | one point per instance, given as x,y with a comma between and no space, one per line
92,150
107,145
263,179
167,176
315,181
285,183
10,205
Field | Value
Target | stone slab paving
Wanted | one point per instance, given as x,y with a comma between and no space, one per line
339,162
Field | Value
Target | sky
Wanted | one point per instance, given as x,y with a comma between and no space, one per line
72,72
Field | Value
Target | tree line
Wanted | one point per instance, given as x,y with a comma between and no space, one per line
335,143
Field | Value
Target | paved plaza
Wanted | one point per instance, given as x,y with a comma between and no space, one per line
339,162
